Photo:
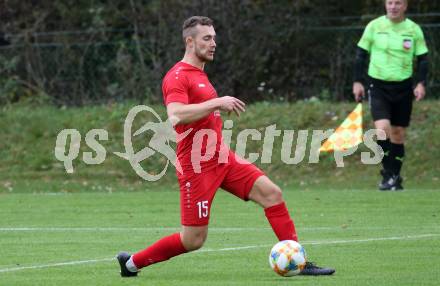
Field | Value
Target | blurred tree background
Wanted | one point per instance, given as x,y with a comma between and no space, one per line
90,51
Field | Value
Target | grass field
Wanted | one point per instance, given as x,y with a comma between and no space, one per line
28,136
65,229
370,237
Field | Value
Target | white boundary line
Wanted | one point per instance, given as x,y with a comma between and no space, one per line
111,229
55,264
323,242
79,262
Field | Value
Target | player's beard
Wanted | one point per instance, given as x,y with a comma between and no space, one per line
204,57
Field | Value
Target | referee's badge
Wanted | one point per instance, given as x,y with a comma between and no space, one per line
407,44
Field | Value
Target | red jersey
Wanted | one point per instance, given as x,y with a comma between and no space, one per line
188,84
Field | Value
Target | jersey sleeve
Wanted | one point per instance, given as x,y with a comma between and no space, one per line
366,40
420,42
175,89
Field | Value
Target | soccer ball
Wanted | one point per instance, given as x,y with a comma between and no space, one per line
287,258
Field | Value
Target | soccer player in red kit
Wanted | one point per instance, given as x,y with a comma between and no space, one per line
205,161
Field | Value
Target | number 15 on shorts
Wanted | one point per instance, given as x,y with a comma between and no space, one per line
203,208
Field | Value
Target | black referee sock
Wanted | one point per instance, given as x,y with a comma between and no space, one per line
397,153
386,160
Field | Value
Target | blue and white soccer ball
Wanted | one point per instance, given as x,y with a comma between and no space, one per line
287,258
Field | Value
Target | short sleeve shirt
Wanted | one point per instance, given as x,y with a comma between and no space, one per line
188,84
392,48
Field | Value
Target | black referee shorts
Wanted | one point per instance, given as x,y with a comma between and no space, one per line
391,100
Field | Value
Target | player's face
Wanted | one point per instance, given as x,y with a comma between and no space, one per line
396,9
204,43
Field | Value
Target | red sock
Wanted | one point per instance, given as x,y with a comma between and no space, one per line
281,223
161,250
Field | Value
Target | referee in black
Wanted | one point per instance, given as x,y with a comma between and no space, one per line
391,43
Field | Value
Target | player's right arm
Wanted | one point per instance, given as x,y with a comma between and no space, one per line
359,69
364,47
181,113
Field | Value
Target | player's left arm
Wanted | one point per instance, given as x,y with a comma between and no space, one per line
421,76
421,52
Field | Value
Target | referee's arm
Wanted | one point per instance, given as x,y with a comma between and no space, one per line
421,76
359,70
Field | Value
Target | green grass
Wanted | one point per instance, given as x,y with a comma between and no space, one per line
29,134
48,217
370,237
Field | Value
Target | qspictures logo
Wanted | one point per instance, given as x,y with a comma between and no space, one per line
204,142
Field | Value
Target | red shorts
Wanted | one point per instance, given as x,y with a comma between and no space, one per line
197,190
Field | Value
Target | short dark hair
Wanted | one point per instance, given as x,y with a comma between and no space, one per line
189,24
406,1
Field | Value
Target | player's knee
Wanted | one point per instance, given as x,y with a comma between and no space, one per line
277,194
380,133
273,196
197,243
383,127
266,193
194,241
398,140
398,135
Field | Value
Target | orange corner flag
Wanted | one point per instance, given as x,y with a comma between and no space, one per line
347,135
